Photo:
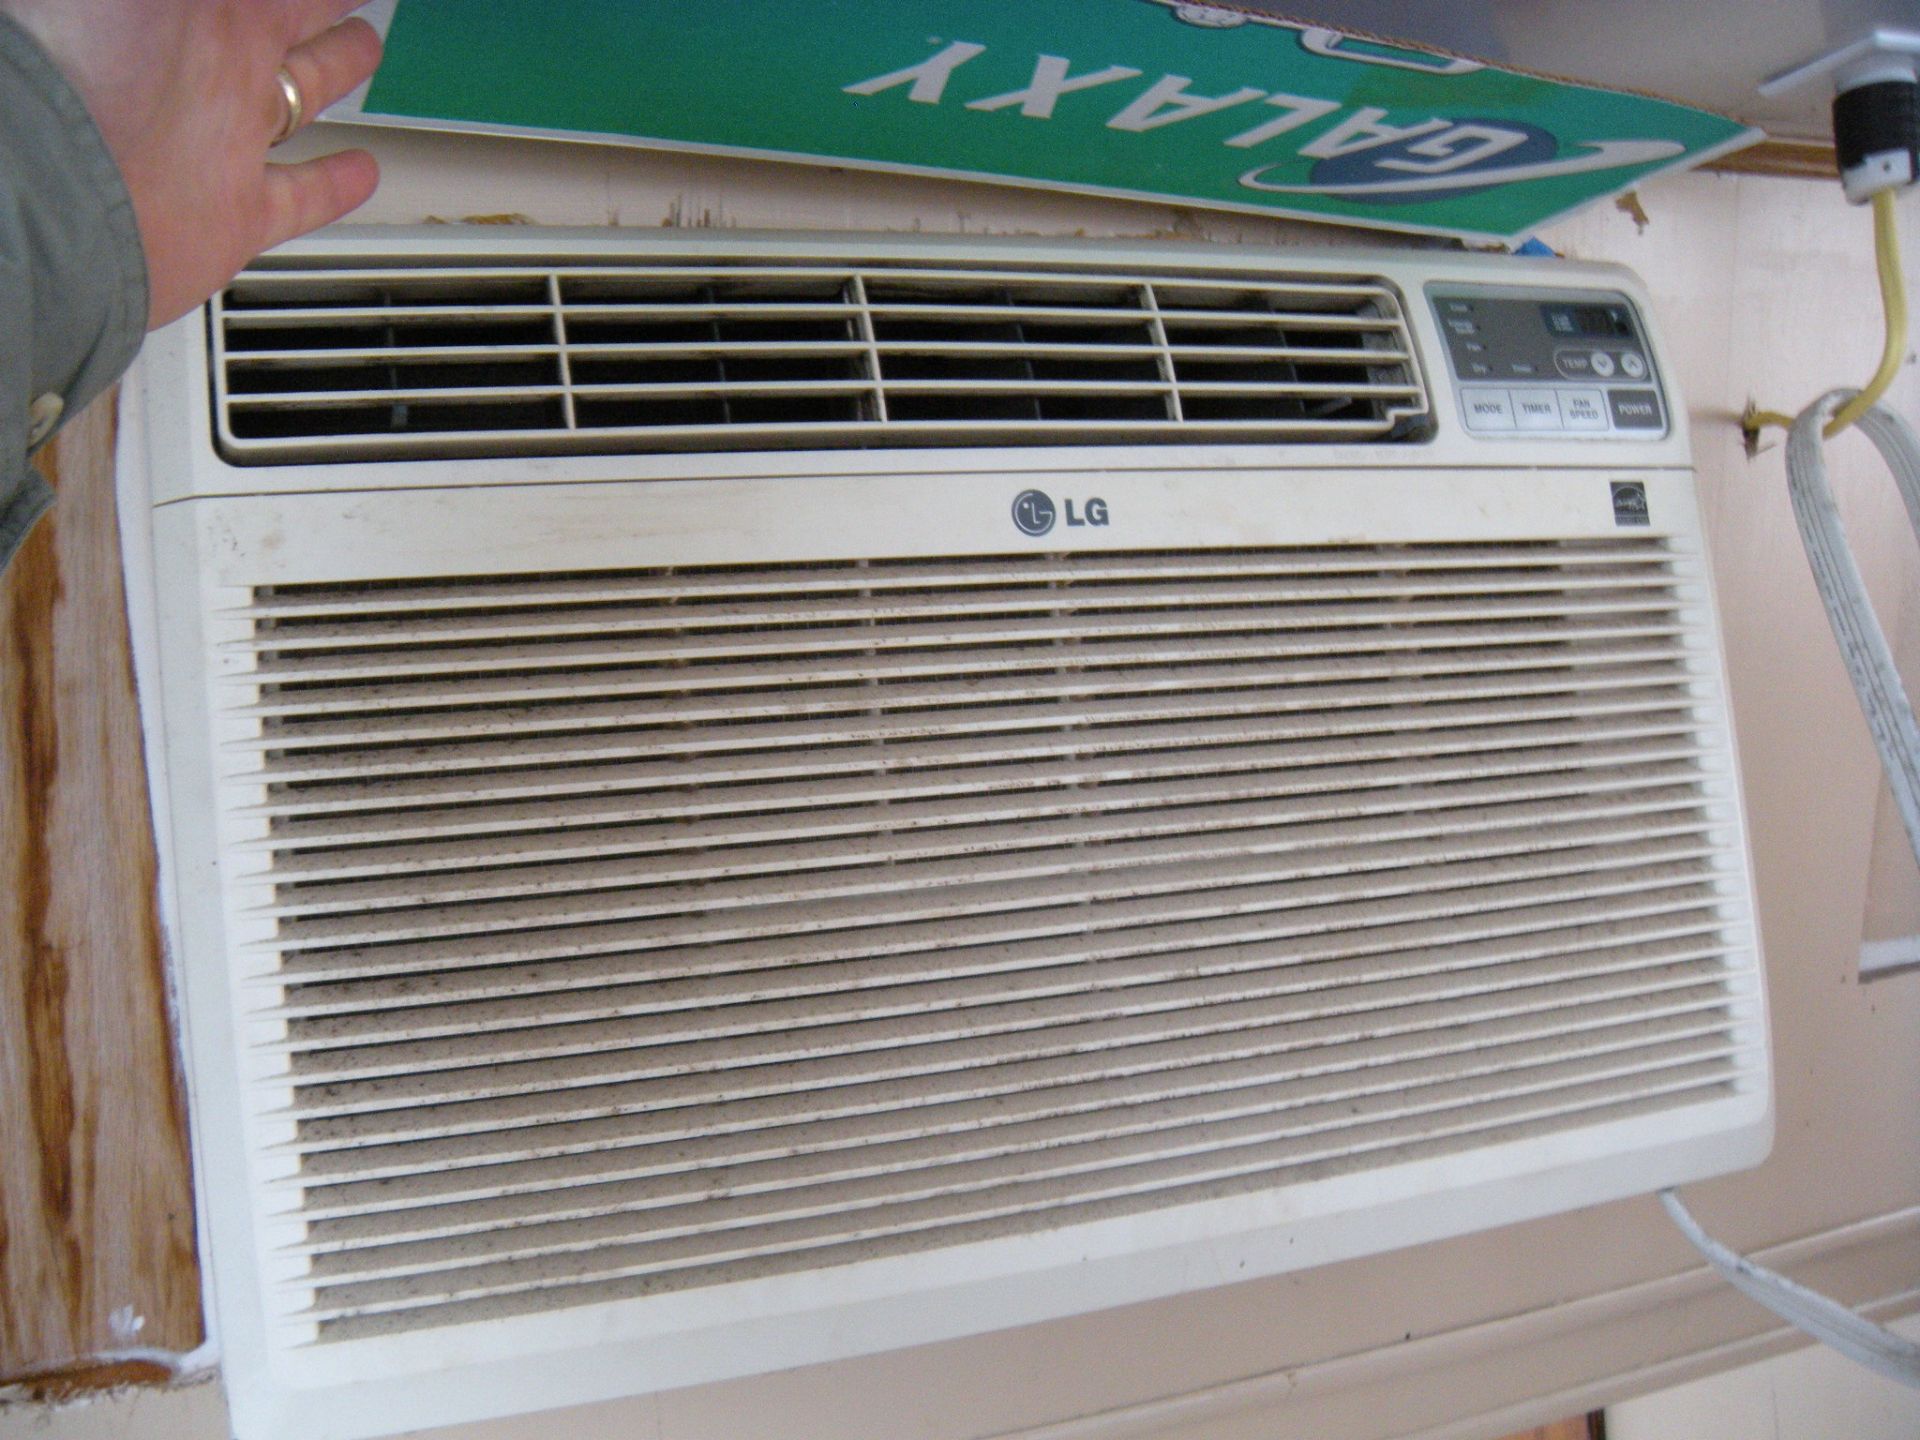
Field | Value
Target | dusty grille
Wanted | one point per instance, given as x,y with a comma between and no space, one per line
320,362
646,930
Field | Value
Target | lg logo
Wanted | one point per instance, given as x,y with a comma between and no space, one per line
1034,512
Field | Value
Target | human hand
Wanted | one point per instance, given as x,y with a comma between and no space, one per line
186,94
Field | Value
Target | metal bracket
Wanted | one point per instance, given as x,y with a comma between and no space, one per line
1880,54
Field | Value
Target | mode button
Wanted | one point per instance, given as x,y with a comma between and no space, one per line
1487,408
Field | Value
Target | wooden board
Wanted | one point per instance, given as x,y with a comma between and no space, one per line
1788,159
96,1207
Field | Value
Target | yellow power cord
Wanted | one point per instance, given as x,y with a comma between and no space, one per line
1893,297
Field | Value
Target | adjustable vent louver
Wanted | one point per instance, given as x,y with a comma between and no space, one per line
343,363
652,930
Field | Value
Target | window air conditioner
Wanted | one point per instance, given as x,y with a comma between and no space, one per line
731,801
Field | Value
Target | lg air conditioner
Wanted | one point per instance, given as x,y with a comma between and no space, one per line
734,800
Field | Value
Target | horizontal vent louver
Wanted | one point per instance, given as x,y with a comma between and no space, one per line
639,931
334,364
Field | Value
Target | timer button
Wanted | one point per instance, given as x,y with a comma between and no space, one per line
1537,409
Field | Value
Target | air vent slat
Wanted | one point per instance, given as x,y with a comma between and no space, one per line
848,1055
672,1108
378,1012
1027,1213
642,1113
399,396
237,315
367,1304
751,783
418,1177
580,734
1111,804
880,632
647,930
983,882
1300,907
1566,562
1352,595
800,812
766,276
240,361
501,1063
1346,678
1444,728
512,1194
879,894
391,361
624,1018
740,669
398,1242
497,877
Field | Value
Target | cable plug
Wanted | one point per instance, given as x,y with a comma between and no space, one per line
1876,107
1876,129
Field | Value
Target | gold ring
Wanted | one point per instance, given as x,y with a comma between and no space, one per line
296,105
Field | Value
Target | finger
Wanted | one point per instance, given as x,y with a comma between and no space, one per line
313,193
308,18
328,66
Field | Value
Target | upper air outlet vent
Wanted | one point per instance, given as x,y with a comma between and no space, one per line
314,360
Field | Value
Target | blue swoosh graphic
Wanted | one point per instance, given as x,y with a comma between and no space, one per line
1602,155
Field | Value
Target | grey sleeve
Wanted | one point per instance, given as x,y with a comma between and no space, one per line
73,278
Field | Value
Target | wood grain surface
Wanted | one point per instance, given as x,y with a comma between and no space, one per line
1785,159
96,1207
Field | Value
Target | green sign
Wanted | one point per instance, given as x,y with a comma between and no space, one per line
1196,104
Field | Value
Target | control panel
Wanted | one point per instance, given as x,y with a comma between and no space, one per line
1533,362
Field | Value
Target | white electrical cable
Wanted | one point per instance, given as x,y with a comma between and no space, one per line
1827,1321
1863,646
1890,718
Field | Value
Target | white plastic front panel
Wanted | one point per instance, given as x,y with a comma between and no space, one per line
325,524
211,550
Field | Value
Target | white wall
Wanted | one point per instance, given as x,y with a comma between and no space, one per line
1812,1394
1764,289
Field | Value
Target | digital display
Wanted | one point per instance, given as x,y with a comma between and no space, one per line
1607,322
